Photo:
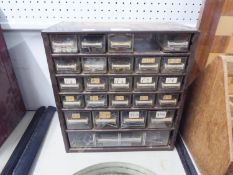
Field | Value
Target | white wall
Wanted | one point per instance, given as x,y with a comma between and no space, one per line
29,61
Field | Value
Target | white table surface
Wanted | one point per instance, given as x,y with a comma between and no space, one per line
52,158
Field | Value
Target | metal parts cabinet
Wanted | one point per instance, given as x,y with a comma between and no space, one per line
119,87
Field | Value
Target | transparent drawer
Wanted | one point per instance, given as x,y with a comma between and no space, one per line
167,99
146,83
67,65
173,64
143,100
106,119
120,101
96,83
132,138
81,139
64,43
160,119
120,83
92,43
157,138
120,42
120,65
170,82
133,119
94,65
78,120
147,64
72,101
145,42
94,101
107,139
70,83
178,42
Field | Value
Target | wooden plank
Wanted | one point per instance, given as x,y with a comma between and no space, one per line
205,123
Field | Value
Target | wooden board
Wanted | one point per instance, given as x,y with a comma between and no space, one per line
205,124
12,107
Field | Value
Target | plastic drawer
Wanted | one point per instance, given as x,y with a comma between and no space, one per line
161,119
157,138
70,83
78,120
81,139
92,43
147,64
120,101
95,101
145,83
120,84
94,65
120,64
143,100
64,43
72,101
178,42
173,64
96,83
167,100
170,82
120,42
133,119
106,119
67,64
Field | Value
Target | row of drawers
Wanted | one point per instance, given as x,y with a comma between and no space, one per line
118,139
119,119
119,101
119,42
123,84
120,64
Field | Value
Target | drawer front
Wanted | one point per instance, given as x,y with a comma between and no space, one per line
119,139
161,118
92,43
95,65
67,65
70,83
170,82
78,120
120,42
133,119
106,119
96,101
147,64
96,83
145,83
64,43
72,101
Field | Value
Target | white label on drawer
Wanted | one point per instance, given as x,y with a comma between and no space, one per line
119,80
144,98
146,80
69,98
119,98
95,80
148,60
70,80
161,114
167,97
104,115
174,61
171,80
75,116
88,29
134,114
94,98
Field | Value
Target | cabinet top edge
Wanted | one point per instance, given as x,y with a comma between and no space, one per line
106,27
